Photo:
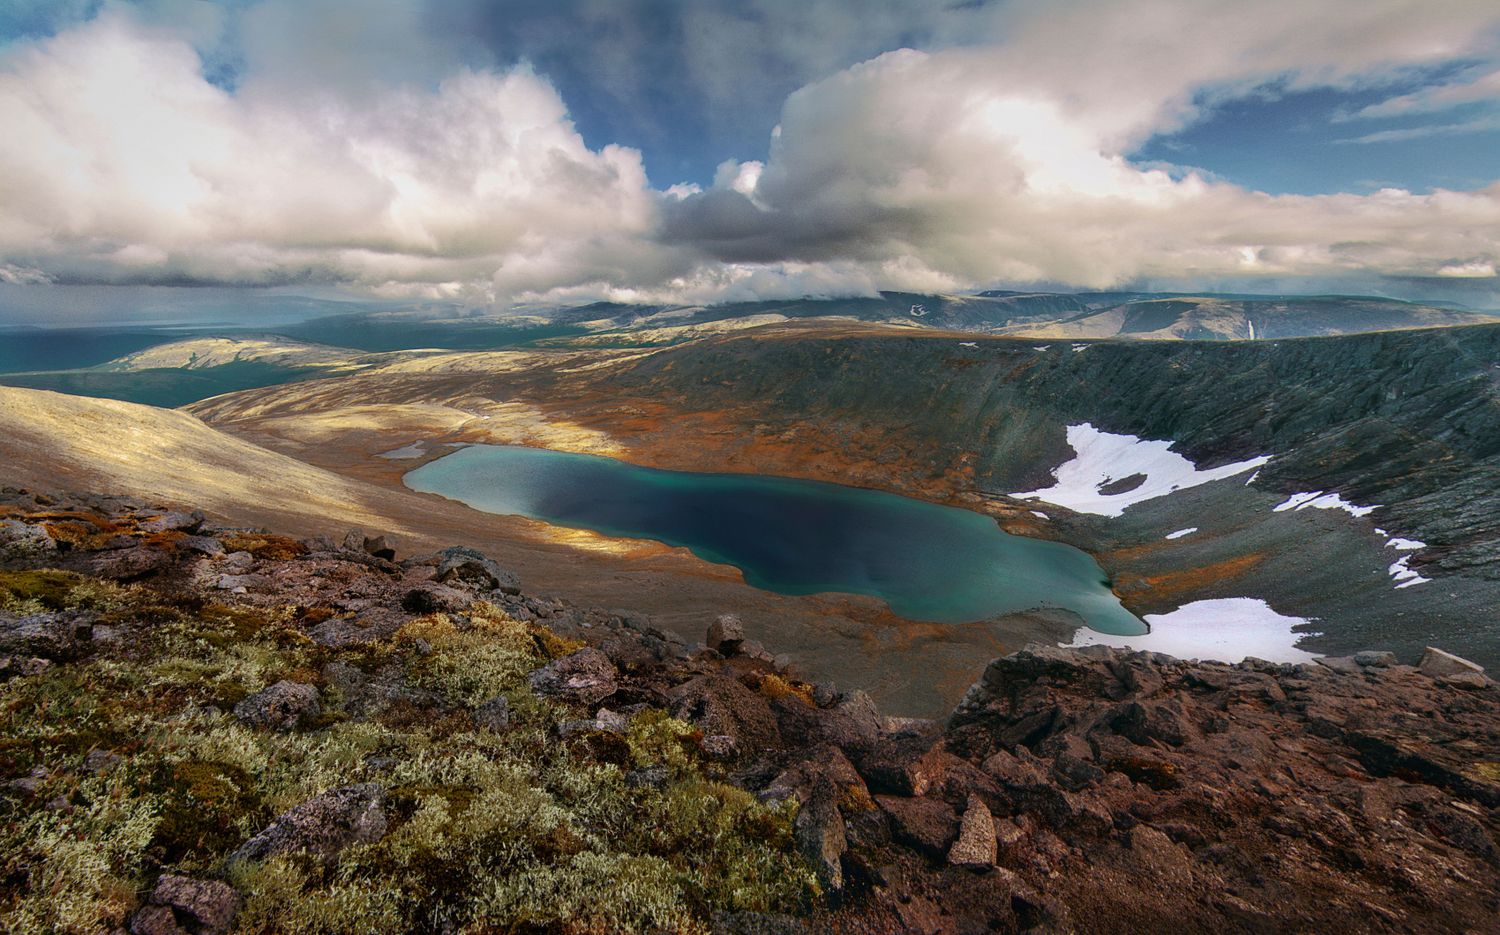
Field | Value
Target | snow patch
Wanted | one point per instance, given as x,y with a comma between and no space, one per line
1042,348
968,344
1079,348
414,450
1405,577
1318,500
1252,478
1403,545
1039,514
1182,532
1103,457
1227,629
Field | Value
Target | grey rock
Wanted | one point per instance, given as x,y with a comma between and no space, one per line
172,522
977,844
20,540
97,761
584,677
1371,658
239,560
1345,664
726,634
1470,681
468,568
380,547
281,707
821,836
234,582
650,777
129,564
322,826
203,545
719,747
493,714
1436,663
612,721
339,633
435,598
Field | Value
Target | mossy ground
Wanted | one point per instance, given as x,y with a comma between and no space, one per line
512,831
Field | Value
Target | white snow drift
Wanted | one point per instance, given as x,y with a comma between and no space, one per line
1102,458
1227,629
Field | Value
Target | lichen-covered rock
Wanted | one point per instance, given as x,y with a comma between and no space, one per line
493,714
820,835
322,826
976,845
172,521
720,705
584,677
726,634
436,598
340,633
20,540
468,568
183,904
283,706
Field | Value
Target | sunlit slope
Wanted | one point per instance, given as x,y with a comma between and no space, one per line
54,441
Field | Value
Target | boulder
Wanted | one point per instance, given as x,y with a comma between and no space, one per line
584,677
20,540
976,845
172,521
818,766
203,545
820,835
493,714
283,706
905,764
340,633
130,564
435,599
1375,659
720,705
927,825
183,904
380,547
726,634
1437,663
322,826
463,567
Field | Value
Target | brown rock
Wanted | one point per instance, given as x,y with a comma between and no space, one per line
584,677
721,705
927,825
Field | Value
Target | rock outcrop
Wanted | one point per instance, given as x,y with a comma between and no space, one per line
1091,790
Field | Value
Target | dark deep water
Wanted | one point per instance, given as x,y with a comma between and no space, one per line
928,562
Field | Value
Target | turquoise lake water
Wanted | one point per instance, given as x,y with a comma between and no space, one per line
926,561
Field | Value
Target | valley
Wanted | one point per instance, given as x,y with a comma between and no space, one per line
1404,422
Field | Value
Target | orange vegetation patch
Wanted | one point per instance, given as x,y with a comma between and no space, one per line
265,545
1175,584
774,686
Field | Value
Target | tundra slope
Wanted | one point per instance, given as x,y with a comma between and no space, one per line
1404,421
213,729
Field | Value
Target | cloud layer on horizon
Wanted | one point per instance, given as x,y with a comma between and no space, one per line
999,161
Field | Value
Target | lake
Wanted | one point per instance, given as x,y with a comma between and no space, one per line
926,561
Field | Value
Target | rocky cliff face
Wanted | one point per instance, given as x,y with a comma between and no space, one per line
209,730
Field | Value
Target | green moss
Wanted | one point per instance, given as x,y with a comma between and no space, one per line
488,831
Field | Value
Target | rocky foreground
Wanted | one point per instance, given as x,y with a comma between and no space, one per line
212,730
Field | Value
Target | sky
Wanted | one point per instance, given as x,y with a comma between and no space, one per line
503,152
